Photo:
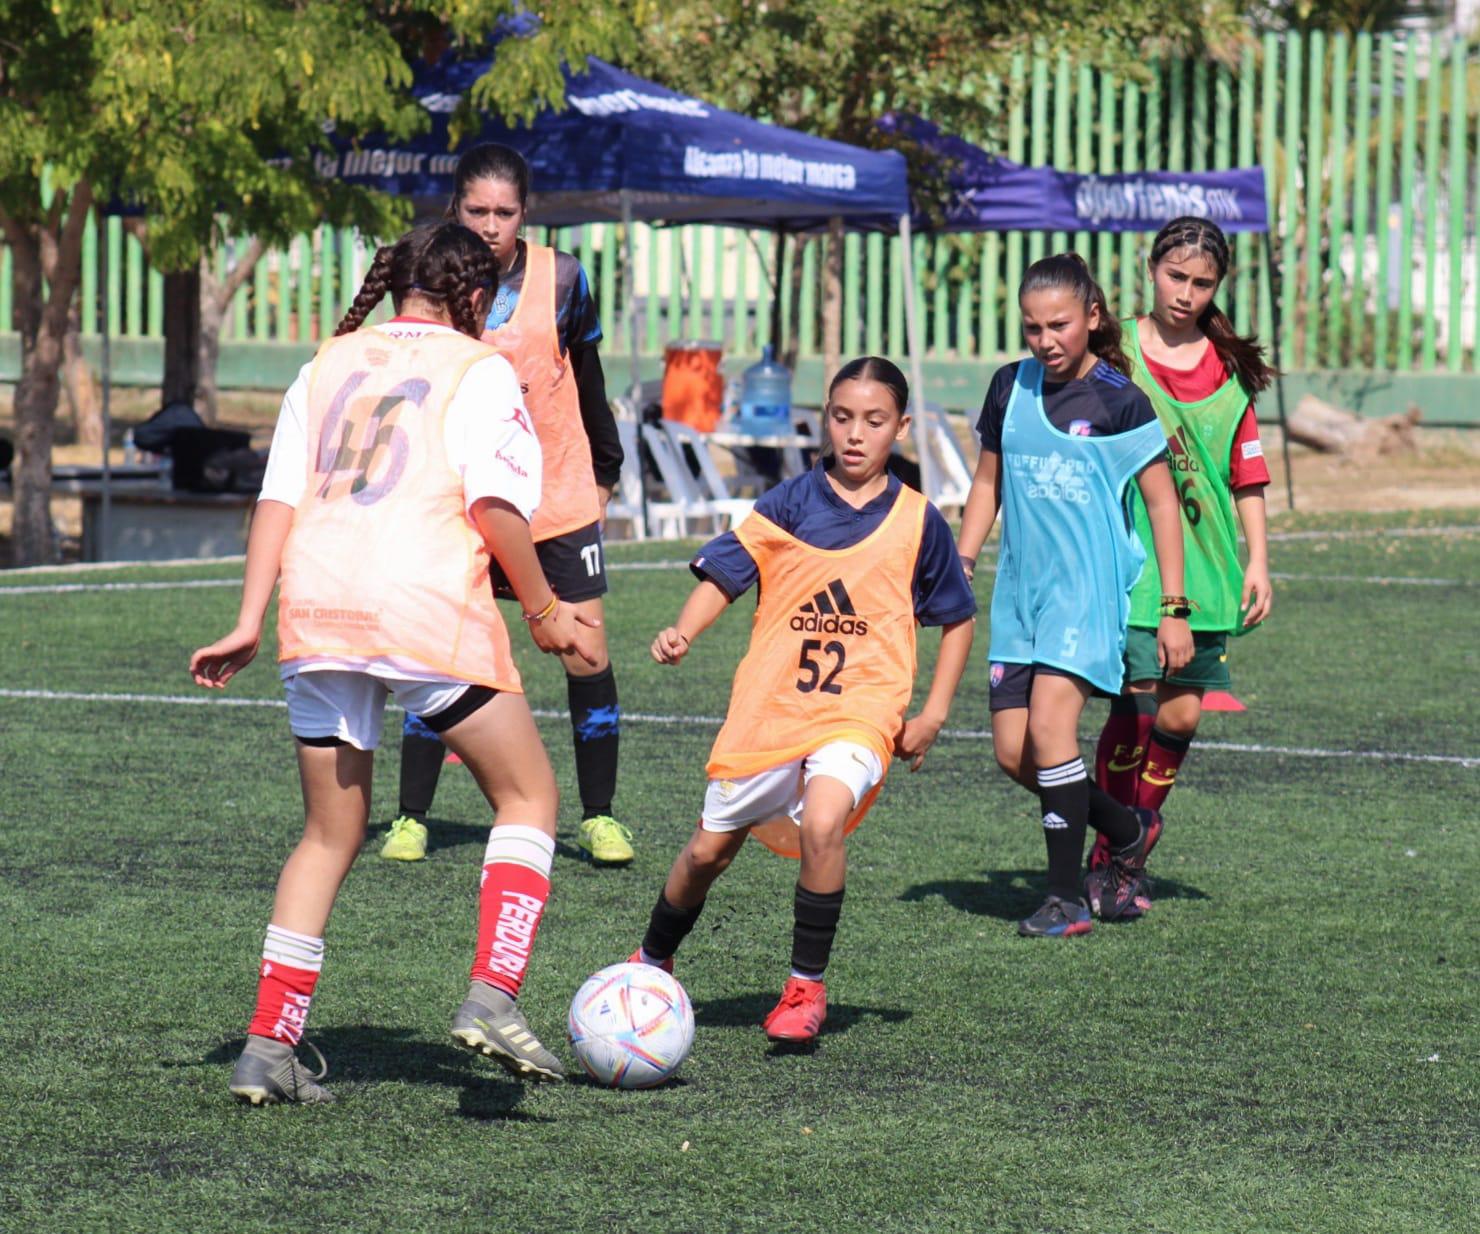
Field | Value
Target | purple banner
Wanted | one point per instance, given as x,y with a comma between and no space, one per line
983,192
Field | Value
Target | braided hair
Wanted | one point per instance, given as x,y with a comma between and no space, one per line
1070,272
441,262
1242,355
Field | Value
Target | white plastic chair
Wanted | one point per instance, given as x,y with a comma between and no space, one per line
713,487
952,478
626,503
793,461
683,490
648,516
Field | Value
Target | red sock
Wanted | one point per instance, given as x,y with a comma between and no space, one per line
289,972
1164,754
1122,746
516,884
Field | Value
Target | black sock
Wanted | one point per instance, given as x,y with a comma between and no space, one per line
1063,793
1116,822
667,927
816,925
595,718
421,767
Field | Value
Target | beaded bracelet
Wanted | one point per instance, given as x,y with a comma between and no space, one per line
536,618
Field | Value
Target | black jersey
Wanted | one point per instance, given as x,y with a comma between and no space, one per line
1100,405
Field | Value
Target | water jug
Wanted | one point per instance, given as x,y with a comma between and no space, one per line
765,397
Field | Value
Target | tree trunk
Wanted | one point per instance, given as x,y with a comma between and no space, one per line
792,342
208,346
82,391
215,298
33,539
46,252
832,303
182,352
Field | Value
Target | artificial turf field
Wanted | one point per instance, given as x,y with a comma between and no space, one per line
1287,1042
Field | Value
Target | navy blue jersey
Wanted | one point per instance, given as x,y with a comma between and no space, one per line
575,310
808,508
1105,403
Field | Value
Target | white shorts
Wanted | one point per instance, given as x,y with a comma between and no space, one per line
351,705
777,792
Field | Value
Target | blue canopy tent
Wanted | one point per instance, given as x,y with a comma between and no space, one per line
625,149
984,192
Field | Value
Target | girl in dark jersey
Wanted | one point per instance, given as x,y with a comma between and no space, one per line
544,321
1201,377
1061,444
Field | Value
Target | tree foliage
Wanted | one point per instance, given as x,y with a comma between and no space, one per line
831,66
202,116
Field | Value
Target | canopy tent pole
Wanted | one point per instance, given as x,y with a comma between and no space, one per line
1279,381
776,292
105,511
917,372
629,289
629,274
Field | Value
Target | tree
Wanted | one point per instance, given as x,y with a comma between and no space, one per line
831,67
180,110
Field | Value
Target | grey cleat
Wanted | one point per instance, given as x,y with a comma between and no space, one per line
268,1072
490,1022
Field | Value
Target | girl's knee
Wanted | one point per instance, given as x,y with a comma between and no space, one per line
1011,762
707,860
1178,716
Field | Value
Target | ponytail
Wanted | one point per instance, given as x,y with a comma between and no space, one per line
441,262
1242,355
1070,272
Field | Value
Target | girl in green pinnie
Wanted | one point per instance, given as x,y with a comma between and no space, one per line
1201,376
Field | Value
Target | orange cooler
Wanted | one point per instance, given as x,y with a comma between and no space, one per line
693,390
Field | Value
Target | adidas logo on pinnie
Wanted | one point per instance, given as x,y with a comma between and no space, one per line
830,611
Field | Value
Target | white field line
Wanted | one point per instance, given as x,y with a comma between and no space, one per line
52,589
89,567
36,589
1374,533
213,699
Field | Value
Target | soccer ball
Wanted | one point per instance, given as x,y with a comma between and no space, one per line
631,1025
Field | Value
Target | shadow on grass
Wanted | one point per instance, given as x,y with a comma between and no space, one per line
367,1054
748,1010
443,834
1010,895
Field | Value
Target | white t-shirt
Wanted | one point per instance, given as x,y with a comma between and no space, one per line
487,433
489,441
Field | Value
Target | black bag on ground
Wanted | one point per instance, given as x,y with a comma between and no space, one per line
234,471
192,449
157,433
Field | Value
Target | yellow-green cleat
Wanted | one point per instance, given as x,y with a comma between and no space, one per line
608,842
407,841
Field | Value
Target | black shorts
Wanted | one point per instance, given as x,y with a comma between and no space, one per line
1011,684
573,564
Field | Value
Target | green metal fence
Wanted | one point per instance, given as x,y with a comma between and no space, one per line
1367,142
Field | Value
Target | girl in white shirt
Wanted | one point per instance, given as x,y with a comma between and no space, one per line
402,461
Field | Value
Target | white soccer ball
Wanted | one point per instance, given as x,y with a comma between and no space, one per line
631,1025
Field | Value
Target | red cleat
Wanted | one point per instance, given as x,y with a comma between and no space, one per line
636,958
800,1013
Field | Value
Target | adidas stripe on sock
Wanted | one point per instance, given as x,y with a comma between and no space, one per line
1063,795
